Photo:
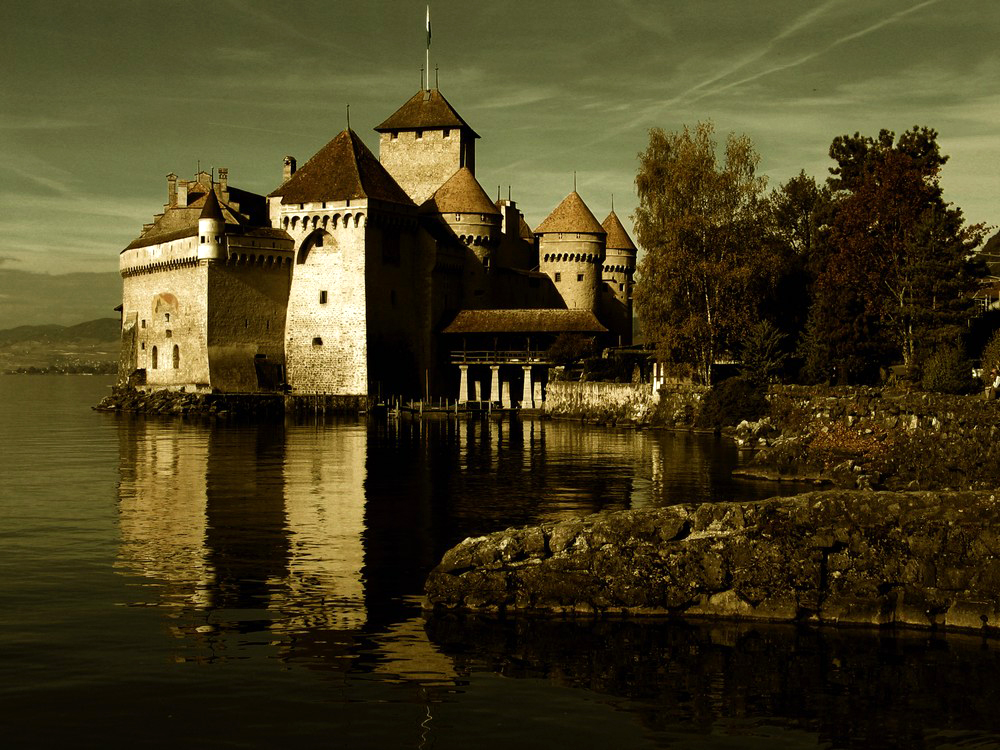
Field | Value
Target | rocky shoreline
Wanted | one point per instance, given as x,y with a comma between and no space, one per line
916,559
182,403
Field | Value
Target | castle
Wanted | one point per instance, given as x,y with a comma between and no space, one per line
361,276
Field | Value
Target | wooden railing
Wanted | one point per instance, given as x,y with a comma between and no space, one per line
499,357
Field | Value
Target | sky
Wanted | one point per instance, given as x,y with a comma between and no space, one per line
100,100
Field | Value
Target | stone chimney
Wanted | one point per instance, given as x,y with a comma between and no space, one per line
224,179
171,189
289,168
182,193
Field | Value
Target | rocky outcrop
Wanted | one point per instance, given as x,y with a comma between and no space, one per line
929,560
216,405
876,438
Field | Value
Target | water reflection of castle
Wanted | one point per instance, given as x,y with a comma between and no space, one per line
321,534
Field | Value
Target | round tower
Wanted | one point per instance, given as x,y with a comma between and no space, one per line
211,229
619,271
466,209
571,251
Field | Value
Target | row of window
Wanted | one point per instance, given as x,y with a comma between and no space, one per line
579,276
394,135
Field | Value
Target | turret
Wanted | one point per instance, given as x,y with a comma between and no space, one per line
619,270
211,229
571,252
466,209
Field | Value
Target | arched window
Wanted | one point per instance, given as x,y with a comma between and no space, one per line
177,356
153,358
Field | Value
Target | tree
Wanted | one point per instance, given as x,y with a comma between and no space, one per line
700,223
895,256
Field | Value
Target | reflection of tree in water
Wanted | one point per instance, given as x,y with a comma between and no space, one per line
852,688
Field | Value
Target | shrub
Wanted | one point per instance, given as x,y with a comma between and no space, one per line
991,355
731,401
762,352
947,371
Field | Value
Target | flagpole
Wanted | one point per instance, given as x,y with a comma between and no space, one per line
428,68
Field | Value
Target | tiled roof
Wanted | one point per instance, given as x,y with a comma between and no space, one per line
525,321
182,221
425,109
211,209
462,193
618,238
343,169
572,215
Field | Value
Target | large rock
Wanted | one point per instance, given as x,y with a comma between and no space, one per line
921,559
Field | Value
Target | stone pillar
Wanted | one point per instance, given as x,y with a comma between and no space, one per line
538,393
495,383
463,384
478,388
505,394
526,393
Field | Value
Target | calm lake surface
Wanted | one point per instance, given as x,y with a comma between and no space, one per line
172,583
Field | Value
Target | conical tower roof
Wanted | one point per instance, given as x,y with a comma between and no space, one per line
618,238
426,109
462,193
572,215
343,169
212,209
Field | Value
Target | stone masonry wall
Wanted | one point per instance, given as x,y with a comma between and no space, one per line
325,345
182,294
602,401
421,166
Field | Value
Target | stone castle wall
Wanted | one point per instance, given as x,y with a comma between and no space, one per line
246,322
171,309
325,347
421,165
574,262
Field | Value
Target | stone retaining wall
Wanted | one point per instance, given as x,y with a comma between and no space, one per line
622,402
917,559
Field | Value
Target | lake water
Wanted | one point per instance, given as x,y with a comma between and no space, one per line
171,583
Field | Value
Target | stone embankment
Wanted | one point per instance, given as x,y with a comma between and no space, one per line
124,399
622,404
876,438
929,560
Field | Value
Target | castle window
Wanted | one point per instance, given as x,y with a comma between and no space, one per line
170,334
167,317
142,346
393,135
579,277
322,297
621,287
558,276
447,133
153,358
203,239
177,356
317,341
458,217
144,323
420,135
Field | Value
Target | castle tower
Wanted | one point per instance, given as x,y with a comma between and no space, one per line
571,252
466,210
619,270
211,229
357,320
424,143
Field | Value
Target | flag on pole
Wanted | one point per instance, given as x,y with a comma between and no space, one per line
428,27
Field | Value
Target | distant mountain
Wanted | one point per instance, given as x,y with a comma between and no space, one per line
103,330
90,347
38,299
